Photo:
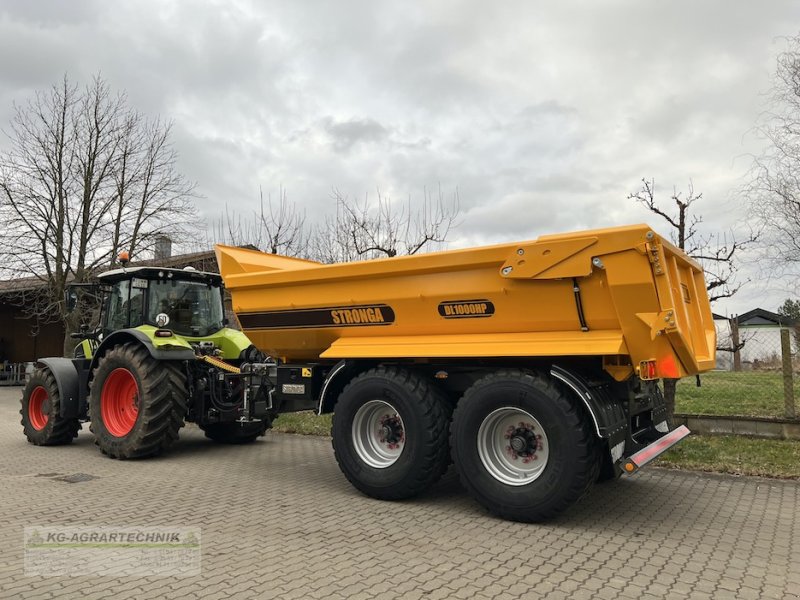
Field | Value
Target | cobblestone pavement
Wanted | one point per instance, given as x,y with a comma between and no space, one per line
279,521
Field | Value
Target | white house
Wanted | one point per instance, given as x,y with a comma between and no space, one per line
760,330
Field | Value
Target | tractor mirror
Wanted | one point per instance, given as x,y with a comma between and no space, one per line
70,300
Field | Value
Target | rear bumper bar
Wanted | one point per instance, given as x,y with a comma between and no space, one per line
648,453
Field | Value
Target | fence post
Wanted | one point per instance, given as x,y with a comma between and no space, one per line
788,383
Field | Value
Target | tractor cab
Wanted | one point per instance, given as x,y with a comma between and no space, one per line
187,301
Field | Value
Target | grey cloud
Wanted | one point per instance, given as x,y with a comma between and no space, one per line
347,133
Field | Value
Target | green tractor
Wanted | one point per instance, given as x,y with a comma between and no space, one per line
162,354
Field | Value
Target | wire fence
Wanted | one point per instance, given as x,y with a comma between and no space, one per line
761,379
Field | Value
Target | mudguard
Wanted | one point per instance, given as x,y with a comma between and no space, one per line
608,417
338,377
124,336
68,382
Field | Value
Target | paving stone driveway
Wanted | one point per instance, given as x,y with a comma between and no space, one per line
279,521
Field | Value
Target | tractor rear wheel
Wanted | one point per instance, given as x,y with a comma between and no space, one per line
235,433
137,404
41,407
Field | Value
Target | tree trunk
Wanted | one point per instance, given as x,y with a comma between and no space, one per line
669,399
71,325
737,356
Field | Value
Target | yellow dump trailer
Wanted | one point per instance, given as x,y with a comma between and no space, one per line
540,358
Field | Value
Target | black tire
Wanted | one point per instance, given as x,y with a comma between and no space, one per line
235,433
421,431
547,426
42,391
161,392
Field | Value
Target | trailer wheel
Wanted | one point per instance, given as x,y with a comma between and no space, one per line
41,419
390,433
235,433
521,447
137,403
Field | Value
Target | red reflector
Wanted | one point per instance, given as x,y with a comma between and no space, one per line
163,333
647,369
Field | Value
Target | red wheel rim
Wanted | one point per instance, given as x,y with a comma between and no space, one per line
36,414
119,402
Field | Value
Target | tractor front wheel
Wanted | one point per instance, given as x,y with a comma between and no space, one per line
41,412
137,403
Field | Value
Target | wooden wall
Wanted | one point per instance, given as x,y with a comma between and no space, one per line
17,342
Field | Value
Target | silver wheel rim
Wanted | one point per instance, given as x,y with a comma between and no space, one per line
512,446
378,434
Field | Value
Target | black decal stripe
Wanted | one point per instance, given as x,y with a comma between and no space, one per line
488,312
311,318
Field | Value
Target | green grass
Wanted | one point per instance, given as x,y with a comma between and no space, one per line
305,423
747,393
735,454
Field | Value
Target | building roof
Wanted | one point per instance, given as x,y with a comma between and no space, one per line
202,261
759,316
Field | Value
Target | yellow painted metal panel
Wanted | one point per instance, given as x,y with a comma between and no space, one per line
554,343
642,299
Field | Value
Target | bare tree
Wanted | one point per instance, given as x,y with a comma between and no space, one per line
367,229
774,185
277,227
85,177
716,252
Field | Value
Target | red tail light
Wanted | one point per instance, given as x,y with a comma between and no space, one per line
647,369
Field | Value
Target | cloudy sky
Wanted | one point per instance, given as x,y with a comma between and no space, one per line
543,115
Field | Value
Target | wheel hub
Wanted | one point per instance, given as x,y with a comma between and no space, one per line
39,408
119,402
378,434
391,431
512,446
523,442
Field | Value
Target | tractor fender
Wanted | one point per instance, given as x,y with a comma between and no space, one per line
124,336
66,375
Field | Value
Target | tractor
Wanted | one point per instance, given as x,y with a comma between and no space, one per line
161,354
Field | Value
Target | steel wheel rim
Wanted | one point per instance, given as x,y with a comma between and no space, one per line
378,434
512,446
119,402
37,416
